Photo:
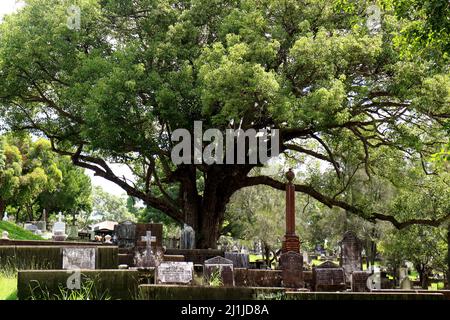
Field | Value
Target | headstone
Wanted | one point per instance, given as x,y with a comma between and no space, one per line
291,264
174,272
147,259
5,217
41,225
359,281
329,277
187,240
5,235
240,260
221,265
351,259
126,234
155,228
374,281
305,257
406,284
79,258
30,227
59,229
72,232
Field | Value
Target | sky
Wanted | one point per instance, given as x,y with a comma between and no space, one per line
10,6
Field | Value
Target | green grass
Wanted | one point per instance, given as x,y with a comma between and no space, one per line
8,288
16,232
254,257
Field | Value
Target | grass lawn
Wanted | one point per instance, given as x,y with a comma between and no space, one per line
16,232
8,288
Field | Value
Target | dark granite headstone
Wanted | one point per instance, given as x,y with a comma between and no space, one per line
328,277
359,281
291,264
126,234
351,259
240,260
222,265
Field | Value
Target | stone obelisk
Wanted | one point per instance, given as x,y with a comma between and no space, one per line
291,241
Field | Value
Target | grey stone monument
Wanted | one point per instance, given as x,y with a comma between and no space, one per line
291,264
79,258
187,240
174,272
351,259
221,265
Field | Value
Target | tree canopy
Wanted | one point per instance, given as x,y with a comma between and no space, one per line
114,90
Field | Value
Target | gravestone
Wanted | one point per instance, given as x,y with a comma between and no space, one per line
374,281
79,258
41,225
359,281
5,217
187,239
329,277
174,272
291,264
108,239
126,234
59,230
351,259
155,228
240,260
5,235
72,232
30,227
405,284
221,265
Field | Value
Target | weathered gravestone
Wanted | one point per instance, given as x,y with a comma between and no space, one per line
174,272
351,259
359,281
328,277
291,264
221,265
240,260
374,281
405,284
59,229
126,234
187,239
79,258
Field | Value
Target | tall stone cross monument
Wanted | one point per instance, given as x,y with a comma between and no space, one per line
291,241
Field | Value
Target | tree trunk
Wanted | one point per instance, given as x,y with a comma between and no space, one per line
448,256
205,214
2,209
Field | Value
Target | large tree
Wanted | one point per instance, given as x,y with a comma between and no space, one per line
114,88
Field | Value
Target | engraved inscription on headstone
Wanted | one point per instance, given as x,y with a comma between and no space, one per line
175,272
291,264
126,234
359,281
79,258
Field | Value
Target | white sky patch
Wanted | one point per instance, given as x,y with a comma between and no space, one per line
9,6
119,170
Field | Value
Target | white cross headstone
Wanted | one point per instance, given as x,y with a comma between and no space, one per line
5,217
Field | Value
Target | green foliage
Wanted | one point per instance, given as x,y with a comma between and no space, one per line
87,291
16,232
33,178
111,207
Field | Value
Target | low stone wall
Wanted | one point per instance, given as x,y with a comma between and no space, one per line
4,242
363,296
257,278
117,284
171,292
50,257
197,256
446,293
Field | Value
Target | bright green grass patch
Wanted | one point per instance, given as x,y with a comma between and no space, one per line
16,232
254,257
8,288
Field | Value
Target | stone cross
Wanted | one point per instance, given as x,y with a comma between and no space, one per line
291,241
5,217
60,216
